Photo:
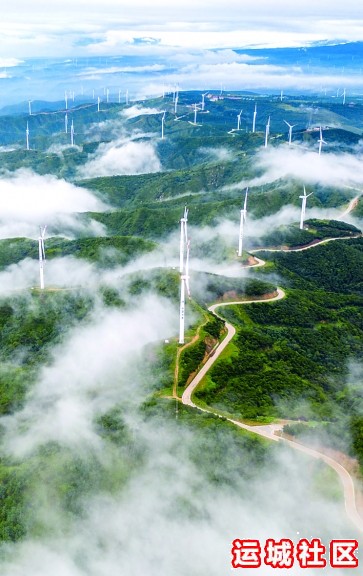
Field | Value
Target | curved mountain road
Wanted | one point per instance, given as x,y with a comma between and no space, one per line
269,431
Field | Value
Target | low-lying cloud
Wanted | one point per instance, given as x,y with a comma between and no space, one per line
121,157
28,200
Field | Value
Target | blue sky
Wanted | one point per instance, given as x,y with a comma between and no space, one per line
68,27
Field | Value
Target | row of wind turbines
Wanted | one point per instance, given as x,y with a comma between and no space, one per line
185,253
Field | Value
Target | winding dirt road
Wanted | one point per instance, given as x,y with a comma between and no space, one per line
269,431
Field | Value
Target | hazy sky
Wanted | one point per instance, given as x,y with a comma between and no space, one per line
86,27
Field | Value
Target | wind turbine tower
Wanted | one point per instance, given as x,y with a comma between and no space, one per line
72,134
162,125
254,120
344,94
291,126
127,97
242,224
195,114
303,208
98,103
30,107
321,141
41,255
107,95
176,103
184,272
239,120
66,123
267,132
27,135
203,100
281,95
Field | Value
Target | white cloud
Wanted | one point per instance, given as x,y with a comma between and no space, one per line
28,200
121,157
137,110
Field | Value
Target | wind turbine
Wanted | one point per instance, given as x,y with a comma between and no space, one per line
107,95
41,255
176,103
239,120
303,208
98,103
281,95
184,272
291,126
321,141
127,97
30,107
254,120
66,123
344,94
195,114
267,132
241,226
119,96
27,135
162,125
72,134
203,102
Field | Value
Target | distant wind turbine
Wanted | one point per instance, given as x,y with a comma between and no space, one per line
239,120
303,208
344,94
281,95
119,96
30,107
72,134
203,100
241,226
107,95
267,132
98,103
66,123
41,255
27,135
176,103
254,120
321,141
291,126
195,114
162,125
127,98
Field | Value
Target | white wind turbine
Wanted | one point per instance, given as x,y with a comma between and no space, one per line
41,255
176,102
291,126
344,94
72,134
239,120
119,96
195,114
162,125
321,141
127,98
281,95
267,132
107,95
30,107
254,119
66,123
241,226
98,103
27,135
184,272
203,102
303,207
